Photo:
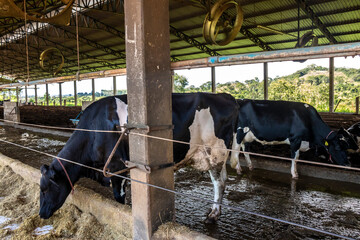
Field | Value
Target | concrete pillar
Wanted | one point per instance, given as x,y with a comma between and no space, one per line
47,94
266,81
149,98
75,93
11,111
172,80
36,97
213,80
60,94
331,84
114,85
93,88
26,95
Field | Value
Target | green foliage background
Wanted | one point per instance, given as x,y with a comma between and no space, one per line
309,85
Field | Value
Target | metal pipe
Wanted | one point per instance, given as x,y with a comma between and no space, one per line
213,80
75,93
36,98
266,81
114,85
336,50
60,94
47,95
93,88
331,84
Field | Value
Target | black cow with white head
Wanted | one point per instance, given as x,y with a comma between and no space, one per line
199,118
282,122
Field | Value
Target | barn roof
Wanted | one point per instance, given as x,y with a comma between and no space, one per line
268,25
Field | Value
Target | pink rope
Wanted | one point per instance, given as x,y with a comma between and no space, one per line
67,175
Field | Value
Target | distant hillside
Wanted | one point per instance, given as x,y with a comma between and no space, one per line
310,85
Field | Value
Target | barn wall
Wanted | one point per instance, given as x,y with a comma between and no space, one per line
337,120
48,115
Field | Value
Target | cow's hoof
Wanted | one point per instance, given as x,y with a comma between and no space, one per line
213,215
209,220
239,171
295,176
251,167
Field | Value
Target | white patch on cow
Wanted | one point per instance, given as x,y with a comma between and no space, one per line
306,105
234,158
250,137
305,145
122,111
202,132
122,192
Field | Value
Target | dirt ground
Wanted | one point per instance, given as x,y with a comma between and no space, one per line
19,219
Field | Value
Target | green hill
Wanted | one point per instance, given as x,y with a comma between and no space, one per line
310,85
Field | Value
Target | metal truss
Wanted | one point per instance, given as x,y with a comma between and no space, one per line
193,42
316,20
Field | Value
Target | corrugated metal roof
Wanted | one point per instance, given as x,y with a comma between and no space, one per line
102,32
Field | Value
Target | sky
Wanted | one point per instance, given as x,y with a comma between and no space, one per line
199,76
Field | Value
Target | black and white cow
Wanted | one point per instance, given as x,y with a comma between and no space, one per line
198,118
355,131
281,122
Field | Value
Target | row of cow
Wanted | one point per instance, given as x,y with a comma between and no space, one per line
216,120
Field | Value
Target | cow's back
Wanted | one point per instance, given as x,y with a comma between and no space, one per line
278,120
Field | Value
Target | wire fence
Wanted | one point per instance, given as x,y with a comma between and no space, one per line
188,143
238,209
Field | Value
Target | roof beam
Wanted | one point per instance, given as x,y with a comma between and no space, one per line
93,44
193,42
316,20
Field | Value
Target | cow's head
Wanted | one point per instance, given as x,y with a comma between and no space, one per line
338,143
54,189
355,129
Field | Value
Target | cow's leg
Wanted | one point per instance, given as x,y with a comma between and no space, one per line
119,188
234,159
295,152
218,179
247,156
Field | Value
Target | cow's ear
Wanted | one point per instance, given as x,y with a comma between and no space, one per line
44,169
47,171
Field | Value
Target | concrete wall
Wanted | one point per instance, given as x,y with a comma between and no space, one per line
106,211
11,112
49,115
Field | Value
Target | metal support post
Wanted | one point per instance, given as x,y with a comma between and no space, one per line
114,85
26,95
93,88
9,95
266,81
36,96
149,99
60,94
213,80
47,95
17,94
357,105
331,84
75,93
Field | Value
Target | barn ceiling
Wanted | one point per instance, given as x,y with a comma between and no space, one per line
267,25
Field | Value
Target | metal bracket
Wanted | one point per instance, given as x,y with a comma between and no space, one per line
148,128
146,168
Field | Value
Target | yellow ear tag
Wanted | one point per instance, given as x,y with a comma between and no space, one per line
326,143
